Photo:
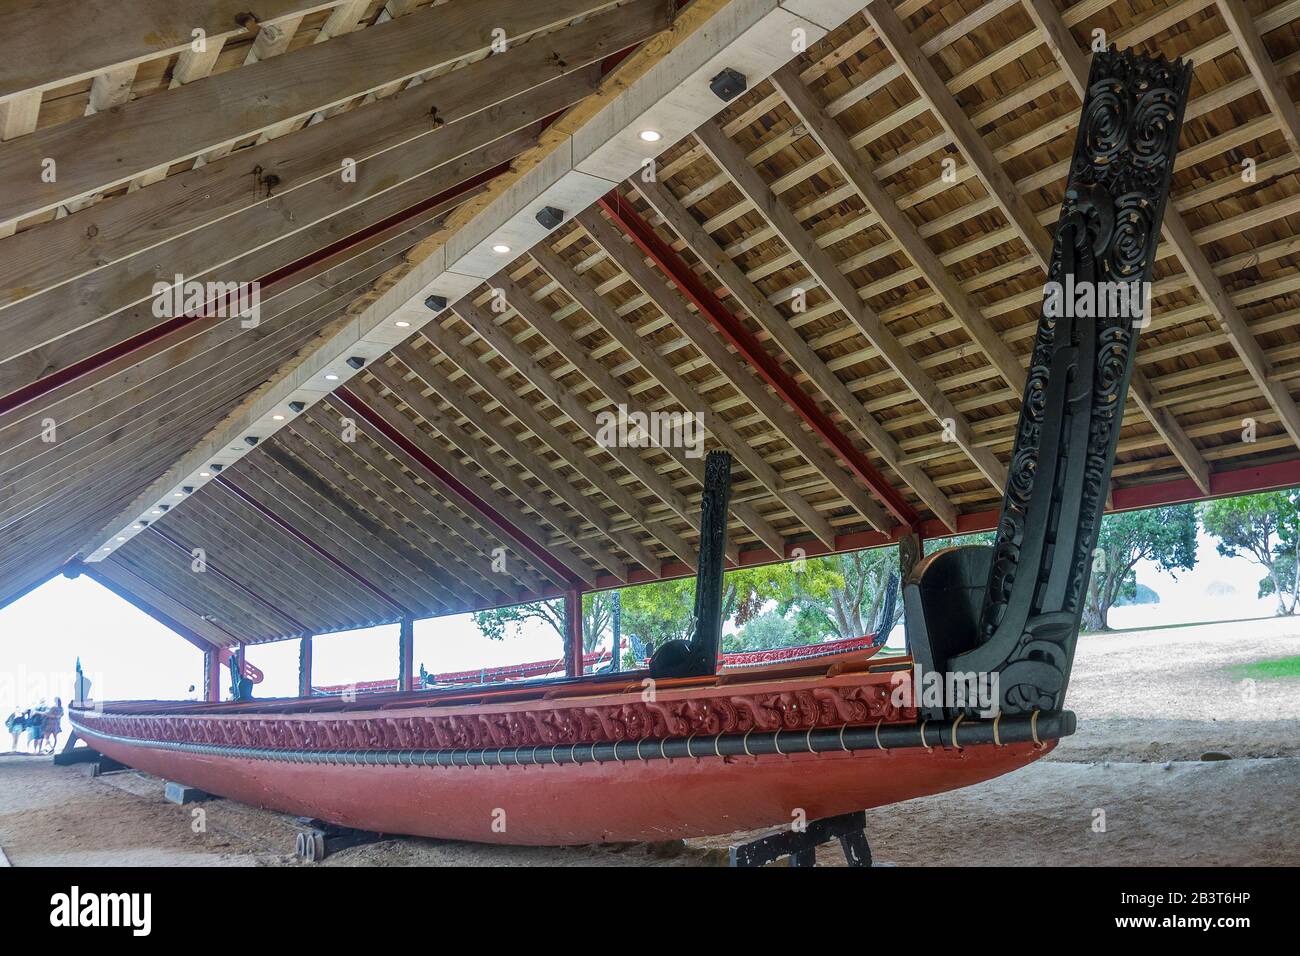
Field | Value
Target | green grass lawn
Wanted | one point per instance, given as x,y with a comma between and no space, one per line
1269,670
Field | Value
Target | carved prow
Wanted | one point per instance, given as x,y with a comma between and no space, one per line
1014,609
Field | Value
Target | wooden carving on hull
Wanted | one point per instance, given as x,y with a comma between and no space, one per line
1014,609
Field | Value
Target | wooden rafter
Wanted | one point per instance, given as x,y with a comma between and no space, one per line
766,314
826,272
568,345
103,150
1008,198
661,370
477,452
475,411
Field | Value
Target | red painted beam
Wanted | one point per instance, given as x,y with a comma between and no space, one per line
762,361
285,526
485,508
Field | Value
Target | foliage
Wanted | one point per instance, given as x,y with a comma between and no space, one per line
1266,529
597,613
1166,536
780,605
938,544
825,598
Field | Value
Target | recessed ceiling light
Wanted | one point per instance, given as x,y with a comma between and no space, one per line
402,325
331,377
650,135
136,526
500,248
156,511
204,474
278,418
121,537
178,494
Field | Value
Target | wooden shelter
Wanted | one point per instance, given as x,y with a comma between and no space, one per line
840,268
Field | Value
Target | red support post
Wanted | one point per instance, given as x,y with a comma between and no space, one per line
763,362
573,633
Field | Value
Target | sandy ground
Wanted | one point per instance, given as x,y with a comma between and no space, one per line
1129,788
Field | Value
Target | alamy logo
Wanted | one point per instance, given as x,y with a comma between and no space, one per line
951,689
75,908
632,429
241,300
1099,300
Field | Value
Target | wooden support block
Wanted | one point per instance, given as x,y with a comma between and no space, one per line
181,794
105,765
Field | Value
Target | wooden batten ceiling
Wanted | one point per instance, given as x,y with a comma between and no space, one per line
869,226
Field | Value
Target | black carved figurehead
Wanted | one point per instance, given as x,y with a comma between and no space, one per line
1094,304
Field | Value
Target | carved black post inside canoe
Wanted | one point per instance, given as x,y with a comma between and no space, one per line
1013,610
699,656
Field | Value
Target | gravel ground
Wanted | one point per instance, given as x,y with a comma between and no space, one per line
1129,788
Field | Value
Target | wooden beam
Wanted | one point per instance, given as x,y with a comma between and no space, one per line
477,576
672,303
792,344
916,67
1250,46
826,273
528,536
107,149
473,365
396,436
167,611
471,542
49,43
567,344
858,172
140,381
657,366
300,478
51,253
366,508
336,602
429,376
257,243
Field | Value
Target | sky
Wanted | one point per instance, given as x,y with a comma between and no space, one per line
129,656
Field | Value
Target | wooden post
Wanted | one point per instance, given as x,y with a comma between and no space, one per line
211,676
573,633
304,666
713,556
406,655
616,663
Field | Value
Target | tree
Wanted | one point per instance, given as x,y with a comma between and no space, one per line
768,630
597,614
1166,536
826,598
1266,529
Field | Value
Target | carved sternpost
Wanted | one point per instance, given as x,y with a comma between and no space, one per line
1093,307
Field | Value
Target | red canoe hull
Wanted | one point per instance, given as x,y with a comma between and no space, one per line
591,803
615,758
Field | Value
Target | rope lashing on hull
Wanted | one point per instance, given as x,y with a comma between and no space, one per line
1035,728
